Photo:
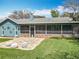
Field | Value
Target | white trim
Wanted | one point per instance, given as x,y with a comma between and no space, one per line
45,28
34,30
29,30
30,26
61,30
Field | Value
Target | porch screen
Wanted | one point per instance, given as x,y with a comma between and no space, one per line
40,29
54,29
67,29
24,29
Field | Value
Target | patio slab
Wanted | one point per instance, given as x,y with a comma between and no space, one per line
22,43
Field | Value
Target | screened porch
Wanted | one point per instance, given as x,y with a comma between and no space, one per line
46,29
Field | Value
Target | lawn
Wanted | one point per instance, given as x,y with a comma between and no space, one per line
4,39
48,49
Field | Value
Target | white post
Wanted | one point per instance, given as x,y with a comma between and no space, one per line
61,30
34,30
29,30
46,29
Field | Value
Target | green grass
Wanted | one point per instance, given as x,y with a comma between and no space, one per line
4,39
48,49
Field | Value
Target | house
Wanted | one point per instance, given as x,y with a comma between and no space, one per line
39,27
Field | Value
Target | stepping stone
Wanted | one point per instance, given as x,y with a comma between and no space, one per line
14,45
24,44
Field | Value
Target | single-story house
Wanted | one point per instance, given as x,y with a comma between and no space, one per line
39,27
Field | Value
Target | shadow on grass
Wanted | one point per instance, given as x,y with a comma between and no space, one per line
75,42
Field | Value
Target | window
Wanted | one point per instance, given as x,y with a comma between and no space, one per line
16,33
3,32
10,32
8,27
2,27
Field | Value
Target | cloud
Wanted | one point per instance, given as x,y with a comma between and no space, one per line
68,10
60,9
47,12
43,12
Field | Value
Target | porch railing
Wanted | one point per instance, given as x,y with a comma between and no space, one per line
67,32
53,32
48,32
24,31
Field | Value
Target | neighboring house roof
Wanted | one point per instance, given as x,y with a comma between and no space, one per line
42,20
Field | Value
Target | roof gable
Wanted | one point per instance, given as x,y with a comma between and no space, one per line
7,19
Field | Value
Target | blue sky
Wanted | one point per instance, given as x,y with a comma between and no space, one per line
10,5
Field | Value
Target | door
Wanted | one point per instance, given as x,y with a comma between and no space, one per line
32,31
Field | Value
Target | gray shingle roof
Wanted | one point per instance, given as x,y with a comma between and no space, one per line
43,20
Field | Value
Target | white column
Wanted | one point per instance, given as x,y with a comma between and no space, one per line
29,30
61,30
45,28
34,30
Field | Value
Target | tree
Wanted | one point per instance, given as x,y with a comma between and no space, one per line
20,14
54,13
65,14
72,5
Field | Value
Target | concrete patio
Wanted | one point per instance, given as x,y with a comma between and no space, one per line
22,43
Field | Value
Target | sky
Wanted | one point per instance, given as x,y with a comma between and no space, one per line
42,7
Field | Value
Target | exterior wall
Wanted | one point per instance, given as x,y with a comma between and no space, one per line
9,28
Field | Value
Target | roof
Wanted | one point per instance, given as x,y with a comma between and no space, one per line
5,19
2,19
42,20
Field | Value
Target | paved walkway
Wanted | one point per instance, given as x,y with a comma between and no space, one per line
22,43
